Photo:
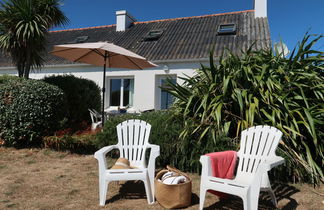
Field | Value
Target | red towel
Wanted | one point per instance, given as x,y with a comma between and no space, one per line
223,166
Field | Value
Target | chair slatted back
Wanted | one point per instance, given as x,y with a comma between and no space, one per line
257,144
133,138
95,116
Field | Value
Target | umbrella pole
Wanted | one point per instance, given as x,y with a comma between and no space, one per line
103,91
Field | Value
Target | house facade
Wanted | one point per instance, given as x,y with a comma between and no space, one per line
178,46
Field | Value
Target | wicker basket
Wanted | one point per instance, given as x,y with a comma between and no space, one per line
173,195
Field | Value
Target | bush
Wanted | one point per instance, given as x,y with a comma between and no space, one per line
81,95
166,127
7,78
29,109
262,88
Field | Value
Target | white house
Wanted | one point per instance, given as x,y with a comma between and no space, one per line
177,45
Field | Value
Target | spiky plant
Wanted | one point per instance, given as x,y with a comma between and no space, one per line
259,87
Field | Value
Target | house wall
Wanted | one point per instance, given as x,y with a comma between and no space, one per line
146,82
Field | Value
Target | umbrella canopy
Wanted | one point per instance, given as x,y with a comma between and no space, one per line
102,54
95,52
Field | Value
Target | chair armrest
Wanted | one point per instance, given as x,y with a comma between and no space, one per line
273,162
206,165
100,155
155,152
264,168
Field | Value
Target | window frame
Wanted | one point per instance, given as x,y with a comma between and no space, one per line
160,78
108,93
153,35
232,32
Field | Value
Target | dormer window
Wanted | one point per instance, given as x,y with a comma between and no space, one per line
153,35
226,29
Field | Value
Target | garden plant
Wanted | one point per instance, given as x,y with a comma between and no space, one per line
29,110
166,127
81,94
261,87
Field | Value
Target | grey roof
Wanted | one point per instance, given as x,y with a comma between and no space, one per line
182,38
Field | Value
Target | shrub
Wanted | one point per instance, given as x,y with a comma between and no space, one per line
262,88
166,127
7,78
81,95
29,109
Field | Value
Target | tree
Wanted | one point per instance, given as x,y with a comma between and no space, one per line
24,25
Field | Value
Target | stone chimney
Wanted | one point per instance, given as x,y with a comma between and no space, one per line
260,8
123,20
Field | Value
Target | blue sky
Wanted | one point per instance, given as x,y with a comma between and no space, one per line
289,19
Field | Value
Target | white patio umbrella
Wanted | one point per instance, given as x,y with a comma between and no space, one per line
102,54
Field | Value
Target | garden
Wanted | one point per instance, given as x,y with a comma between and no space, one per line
46,140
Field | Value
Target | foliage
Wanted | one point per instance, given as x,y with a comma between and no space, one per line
82,143
81,95
29,109
7,78
23,30
183,154
262,88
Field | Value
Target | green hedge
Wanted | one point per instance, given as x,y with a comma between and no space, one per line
29,109
166,127
81,94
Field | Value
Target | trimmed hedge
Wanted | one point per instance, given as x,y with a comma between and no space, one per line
81,94
29,109
183,154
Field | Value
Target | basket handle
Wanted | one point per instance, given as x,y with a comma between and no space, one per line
160,173
171,168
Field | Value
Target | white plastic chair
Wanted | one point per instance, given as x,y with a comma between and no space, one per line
133,138
95,118
256,157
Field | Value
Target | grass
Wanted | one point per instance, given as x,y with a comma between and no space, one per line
45,179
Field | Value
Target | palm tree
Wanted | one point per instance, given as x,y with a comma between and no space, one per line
23,29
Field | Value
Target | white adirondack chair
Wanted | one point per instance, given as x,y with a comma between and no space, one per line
95,118
256,157
132,144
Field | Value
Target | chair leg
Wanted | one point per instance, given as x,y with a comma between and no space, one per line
250,202
103,188
266,186
93,126
150,199
151,181
273,196
202,197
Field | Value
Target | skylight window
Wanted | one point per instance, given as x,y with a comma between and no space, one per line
79,39
225,29
153,35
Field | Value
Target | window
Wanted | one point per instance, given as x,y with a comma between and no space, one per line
225,29
153,35
166,99
79,39
121,92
